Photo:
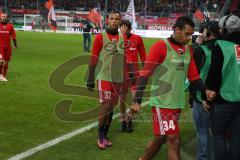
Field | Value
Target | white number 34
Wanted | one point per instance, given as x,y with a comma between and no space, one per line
168,126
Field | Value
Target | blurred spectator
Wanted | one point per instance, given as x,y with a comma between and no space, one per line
43,25
87,28
33,25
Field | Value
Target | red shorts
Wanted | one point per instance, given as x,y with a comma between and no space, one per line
165,121
109,91
6,53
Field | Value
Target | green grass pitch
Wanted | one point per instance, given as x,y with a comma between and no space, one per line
27,106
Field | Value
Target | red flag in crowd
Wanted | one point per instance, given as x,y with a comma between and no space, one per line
199,13
49,15
95,16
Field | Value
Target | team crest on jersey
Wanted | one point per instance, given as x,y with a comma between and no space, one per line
115,49
111,48
127,44
114,40
4,27
237,50
180,52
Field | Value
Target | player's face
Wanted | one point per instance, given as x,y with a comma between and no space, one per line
113,20
3,17
185,35
205,37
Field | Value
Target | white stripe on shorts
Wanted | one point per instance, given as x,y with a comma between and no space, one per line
160,121
100,91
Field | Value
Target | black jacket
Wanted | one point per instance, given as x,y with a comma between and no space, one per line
87,27
214,78
199,58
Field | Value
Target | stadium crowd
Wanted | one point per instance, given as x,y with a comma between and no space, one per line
121,5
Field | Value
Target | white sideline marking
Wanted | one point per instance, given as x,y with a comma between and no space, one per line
59,139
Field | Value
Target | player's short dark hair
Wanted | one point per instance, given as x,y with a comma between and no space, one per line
127,23
182,21
115,12
213,27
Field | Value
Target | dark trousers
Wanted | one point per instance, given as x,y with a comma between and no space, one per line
86,41
202,127
225,125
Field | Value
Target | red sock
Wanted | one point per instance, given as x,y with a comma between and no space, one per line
5,69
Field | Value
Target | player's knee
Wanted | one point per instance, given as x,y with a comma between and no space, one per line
160,139
174,141
107,105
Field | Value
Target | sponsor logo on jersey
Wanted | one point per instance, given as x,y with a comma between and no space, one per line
237,50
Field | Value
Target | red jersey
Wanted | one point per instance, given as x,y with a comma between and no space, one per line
135,48
6,33
157,55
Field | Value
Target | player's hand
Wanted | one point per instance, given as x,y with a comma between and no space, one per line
123,29
14,44
210,95
135,107
206,106
90,85
199,39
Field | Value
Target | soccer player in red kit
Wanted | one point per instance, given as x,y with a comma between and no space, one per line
134,49
6,33
169,62
108,60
